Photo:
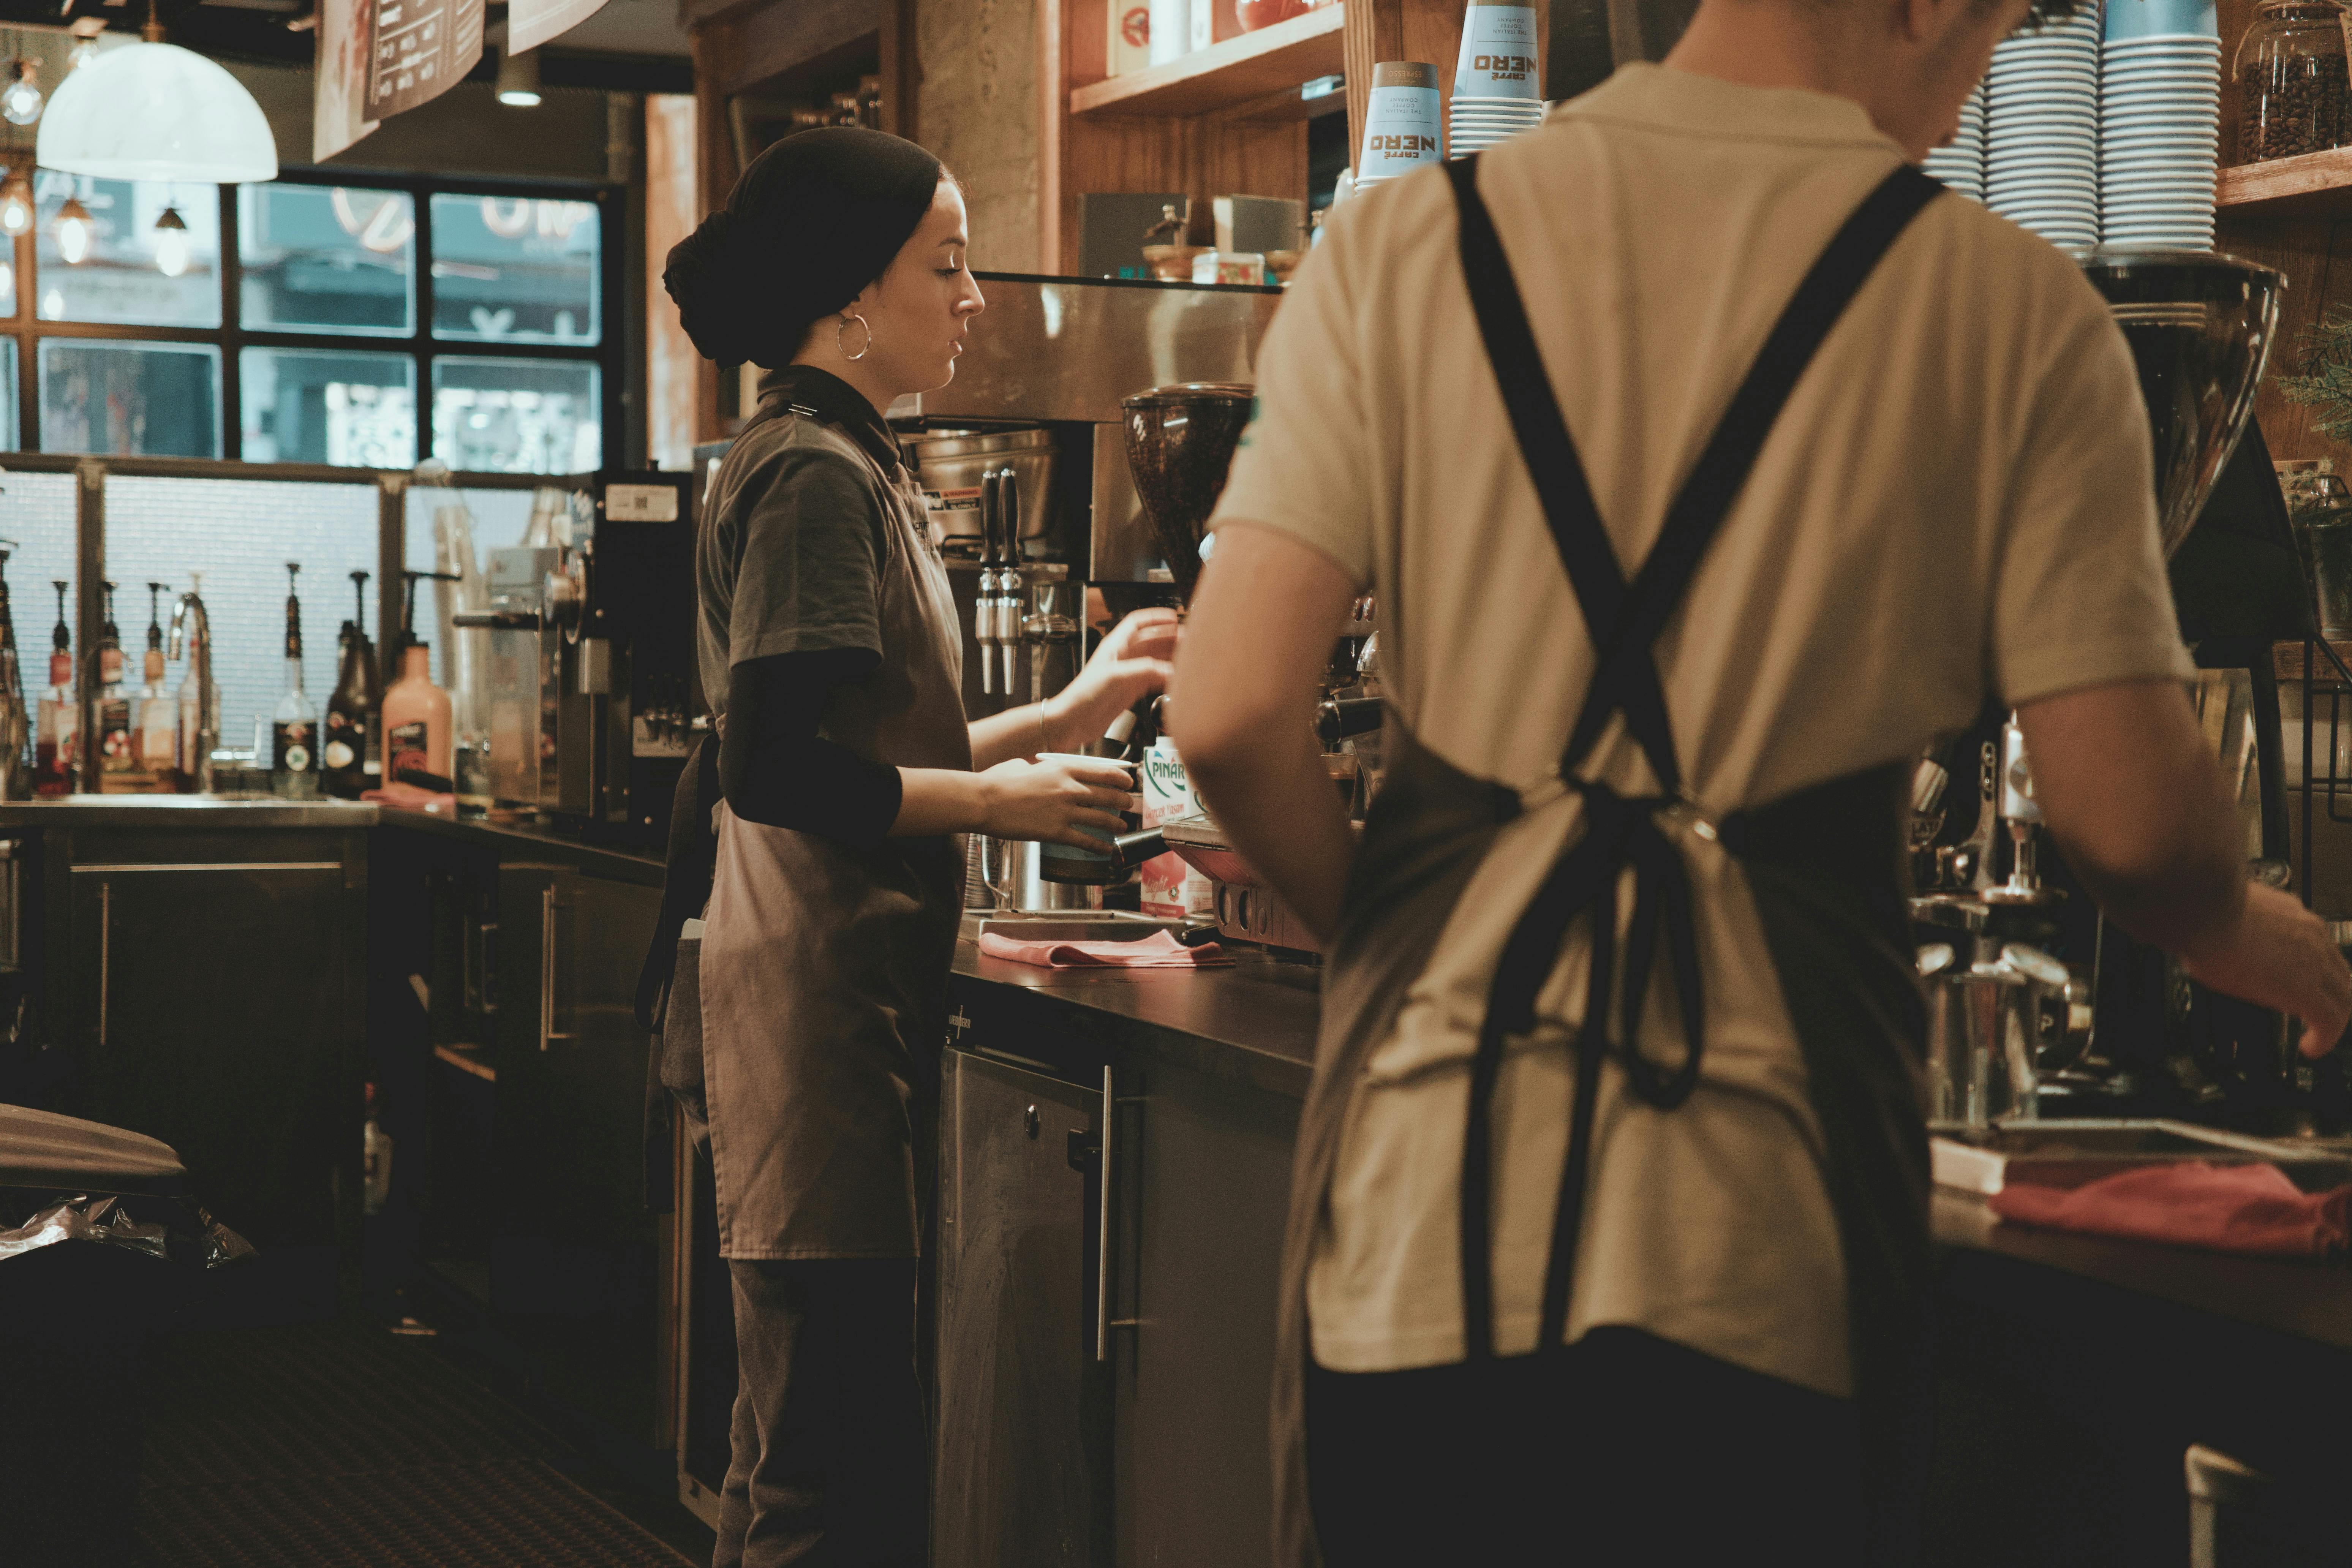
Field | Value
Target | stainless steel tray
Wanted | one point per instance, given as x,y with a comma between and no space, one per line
2071,1153
1066,925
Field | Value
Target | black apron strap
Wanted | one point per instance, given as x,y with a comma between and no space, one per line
1625,621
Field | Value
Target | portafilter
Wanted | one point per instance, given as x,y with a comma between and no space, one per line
2200,326
1180,443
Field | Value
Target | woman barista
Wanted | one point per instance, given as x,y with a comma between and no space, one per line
831,651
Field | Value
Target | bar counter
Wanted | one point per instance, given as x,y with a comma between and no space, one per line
242,936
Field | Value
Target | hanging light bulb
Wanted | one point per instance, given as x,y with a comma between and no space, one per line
15,204
519,79
171,243
74,231
20,101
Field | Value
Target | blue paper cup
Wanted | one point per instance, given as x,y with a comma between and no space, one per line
1403,126
2161,18
1498,52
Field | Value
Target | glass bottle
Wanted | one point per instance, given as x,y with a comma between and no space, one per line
16,732
57,747
115,761
197,731
153,718
2292,81
294,727
350,756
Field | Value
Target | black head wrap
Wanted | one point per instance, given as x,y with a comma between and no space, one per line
815,218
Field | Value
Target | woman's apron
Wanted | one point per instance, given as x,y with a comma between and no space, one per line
824,966
1824,865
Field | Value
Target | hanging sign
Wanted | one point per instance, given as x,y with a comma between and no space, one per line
418,49
339,103
531,23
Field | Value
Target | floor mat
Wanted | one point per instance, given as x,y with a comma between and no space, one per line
337,1446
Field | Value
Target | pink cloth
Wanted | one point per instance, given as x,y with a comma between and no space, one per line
2223,1208
1157,951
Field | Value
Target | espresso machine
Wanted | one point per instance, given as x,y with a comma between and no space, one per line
593,697
2040,1008
1181,441
1023,462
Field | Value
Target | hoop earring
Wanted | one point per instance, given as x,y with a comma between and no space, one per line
847,317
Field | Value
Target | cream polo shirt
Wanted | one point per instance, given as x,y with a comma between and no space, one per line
1957,502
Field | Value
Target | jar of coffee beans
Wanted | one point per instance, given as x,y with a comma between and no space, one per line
2293,80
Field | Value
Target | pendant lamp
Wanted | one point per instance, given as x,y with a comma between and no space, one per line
153,110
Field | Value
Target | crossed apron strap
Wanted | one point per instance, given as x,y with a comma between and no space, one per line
1625,621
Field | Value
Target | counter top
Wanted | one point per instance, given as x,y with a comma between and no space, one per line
212,811
2310,1299
1257,1021
232,813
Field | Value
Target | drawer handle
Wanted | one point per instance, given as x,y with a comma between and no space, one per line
105,952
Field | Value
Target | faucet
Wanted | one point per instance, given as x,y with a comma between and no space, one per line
205,727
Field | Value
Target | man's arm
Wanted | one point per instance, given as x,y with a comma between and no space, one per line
2137,801
1242,709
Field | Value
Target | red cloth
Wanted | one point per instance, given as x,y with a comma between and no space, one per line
2222,1208
1157,951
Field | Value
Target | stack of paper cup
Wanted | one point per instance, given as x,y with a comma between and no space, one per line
1961,163
1400,123
1498,82
2042,130
2159,113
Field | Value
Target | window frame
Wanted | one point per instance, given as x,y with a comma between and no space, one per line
232,338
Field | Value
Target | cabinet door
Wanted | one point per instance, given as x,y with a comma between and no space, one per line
1022,1472
218,1008
1207,1164
576,1265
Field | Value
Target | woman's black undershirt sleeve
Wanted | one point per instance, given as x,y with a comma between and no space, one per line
774,768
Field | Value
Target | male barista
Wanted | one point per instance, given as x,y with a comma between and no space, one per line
1707,461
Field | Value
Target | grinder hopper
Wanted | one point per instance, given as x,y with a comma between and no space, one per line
1180,442
2201,327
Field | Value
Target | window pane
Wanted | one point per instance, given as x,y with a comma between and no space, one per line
119,276
517,415
512,269
326,260
131,398
8,442
313,405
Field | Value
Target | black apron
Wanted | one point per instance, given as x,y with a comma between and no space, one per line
1826,867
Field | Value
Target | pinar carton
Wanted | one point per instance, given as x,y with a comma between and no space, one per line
1171,887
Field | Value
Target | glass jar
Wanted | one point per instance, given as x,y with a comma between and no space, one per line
2292,81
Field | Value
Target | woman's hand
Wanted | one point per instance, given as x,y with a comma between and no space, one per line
1049,800
1131,664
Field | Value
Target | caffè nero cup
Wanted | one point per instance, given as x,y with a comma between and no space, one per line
1401,123
1498,52
1068,859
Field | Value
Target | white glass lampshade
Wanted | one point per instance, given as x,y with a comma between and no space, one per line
156,111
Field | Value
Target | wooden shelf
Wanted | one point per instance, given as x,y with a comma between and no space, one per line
2315,186
1242,68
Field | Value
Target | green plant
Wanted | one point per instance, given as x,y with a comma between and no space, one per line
2325,382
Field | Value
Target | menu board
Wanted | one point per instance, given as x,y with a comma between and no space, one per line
531,23
418,49
338,102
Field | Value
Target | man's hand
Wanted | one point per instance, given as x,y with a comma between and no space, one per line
2278,954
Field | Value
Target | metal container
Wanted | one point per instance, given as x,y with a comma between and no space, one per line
2201,327
950,464
1247,909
